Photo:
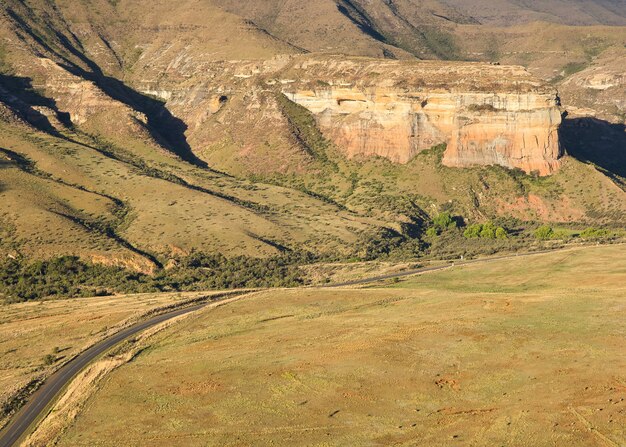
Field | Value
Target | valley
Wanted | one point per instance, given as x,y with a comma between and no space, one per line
332,222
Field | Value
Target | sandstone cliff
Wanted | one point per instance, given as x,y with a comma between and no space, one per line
486,114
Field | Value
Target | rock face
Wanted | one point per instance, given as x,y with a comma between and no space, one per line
485,114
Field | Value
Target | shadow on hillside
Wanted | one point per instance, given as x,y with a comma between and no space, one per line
596,141
164,127
357,16
18,94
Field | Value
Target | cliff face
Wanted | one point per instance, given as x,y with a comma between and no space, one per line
486,114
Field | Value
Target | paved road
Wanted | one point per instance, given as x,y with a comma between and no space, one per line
43,397
417,271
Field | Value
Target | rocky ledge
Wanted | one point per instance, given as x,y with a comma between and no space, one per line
486,114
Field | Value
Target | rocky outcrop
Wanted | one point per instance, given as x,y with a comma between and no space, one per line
485,114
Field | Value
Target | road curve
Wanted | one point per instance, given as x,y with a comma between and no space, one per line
44,396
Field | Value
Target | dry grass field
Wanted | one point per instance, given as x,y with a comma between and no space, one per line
61,329
527,351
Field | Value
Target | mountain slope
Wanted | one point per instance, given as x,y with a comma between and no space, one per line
134,133
569,12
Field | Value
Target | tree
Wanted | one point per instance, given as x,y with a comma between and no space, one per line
473,231
488,231
444,220
501,233
544,232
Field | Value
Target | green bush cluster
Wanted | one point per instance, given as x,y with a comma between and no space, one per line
485,231
441,222
70,277
64,276
544,233
594,233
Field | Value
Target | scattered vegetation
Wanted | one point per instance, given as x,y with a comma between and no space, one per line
442,43
49,359
4,65
388,244
485,231
305,131
481,108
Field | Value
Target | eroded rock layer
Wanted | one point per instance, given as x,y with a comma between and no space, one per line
485,114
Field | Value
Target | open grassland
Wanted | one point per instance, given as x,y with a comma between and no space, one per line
35,338
527,351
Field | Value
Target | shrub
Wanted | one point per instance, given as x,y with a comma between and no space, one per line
432,232
561,235
544,232
485,231
593,233
473,231
69,277
443,221
488,231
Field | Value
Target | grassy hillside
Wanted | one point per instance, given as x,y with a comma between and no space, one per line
510,352
140,137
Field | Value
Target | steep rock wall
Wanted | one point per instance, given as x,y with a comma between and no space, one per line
486,114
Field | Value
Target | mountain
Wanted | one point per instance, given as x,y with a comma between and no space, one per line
567,12
134,134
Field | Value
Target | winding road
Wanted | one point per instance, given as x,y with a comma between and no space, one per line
40,401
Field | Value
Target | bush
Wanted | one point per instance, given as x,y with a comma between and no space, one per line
432,232
485,231
70,277
443,221
561,235
544,232
473,231
593,233
488,231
